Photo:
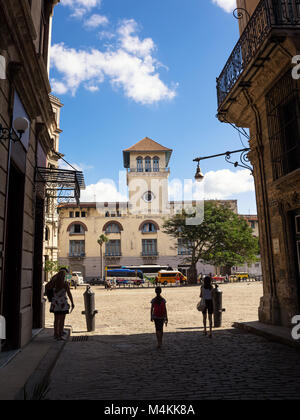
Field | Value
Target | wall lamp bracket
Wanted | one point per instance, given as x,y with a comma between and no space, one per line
242,163
15,133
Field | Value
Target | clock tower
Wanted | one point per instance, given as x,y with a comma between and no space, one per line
147,176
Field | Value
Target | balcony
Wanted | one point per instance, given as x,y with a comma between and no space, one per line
77,255
147,171
271,17
153,254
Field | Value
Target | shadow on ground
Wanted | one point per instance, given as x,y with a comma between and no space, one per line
189,366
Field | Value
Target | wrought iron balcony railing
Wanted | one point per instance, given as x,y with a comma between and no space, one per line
269,14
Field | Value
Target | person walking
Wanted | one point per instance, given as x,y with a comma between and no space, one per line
159,315
207,293
59,302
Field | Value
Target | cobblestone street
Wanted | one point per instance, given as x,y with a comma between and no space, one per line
120,360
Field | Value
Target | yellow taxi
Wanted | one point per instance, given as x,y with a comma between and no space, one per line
238,277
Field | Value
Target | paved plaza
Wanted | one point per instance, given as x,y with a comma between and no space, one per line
120,360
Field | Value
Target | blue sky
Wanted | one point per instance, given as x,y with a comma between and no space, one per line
127,69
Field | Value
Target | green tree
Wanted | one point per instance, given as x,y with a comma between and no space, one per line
52,267
101,241
222,239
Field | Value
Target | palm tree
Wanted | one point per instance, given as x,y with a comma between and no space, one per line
101,241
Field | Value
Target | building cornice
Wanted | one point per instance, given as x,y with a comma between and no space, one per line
32,81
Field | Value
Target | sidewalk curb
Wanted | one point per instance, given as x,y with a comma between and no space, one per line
45,367
261,330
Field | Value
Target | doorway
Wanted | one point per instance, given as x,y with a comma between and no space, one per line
37,282
13,258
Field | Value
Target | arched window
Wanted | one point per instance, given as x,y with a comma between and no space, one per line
149,227
112,227
156,164
77,228
147,164
47,236
139,164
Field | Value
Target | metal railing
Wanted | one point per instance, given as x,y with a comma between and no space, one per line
144,170
149,254
77,255
269,14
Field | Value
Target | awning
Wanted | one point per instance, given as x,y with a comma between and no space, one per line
61,184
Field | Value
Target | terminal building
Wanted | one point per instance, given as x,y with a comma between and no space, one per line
134,228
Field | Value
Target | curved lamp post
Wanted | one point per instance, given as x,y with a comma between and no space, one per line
243,163
20,126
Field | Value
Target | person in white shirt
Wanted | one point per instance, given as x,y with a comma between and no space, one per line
207,293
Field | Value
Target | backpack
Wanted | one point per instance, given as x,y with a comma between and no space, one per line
159,308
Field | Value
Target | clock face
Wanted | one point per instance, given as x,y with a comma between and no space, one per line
148,196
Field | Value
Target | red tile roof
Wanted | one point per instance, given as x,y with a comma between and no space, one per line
147,145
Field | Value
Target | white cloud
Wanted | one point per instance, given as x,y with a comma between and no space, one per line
132,43
91,88
227,5
103,190
58,87
95,21
219,185
129,65
225,183
79,167
81,7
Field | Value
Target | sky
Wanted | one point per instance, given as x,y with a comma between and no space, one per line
129,69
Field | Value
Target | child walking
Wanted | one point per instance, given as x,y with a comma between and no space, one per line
159,315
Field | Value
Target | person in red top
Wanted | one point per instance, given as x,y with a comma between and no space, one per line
159,315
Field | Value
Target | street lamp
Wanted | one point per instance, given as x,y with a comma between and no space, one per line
243,163
20,125
199,175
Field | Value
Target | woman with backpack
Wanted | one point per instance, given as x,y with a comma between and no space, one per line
60,290
207,294
159,315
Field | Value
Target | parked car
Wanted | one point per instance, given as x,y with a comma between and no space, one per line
95,281
77,278
219,279
239,277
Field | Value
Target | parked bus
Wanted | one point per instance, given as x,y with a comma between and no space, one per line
125,276
150,272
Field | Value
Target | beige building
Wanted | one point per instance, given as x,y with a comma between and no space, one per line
259,89
134,228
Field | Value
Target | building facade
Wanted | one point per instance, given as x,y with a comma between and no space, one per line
50,252
25,27
258,89
134,228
